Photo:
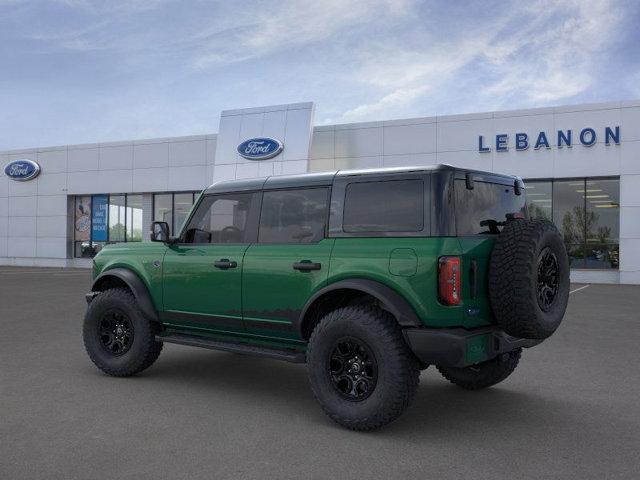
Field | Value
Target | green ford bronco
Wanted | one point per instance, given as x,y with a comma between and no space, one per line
367,276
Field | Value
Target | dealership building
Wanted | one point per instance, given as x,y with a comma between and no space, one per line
581,164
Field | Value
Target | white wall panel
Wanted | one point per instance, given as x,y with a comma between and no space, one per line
84,182
297,135
358,142
52,183
117,157
273,125
228,139
151,155
630,191
52,226
322,145
51,247
150,179
51,205
248,170
629,222
22,206
22,189
463,135
581,161
4,206
630,157
355,163
21,246
188,153
22,227
53,161
187,178
4,226
412,160
115,181
420,138
83,159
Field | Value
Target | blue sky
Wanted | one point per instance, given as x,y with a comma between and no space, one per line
77,71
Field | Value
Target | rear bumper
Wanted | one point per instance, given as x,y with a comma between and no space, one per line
459,347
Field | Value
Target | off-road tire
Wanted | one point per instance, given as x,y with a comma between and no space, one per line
484,374
144,349
398,371
514,278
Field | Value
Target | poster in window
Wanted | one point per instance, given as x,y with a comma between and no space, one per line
99,208
83,219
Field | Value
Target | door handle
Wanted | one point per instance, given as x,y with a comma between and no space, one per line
225,263
306,265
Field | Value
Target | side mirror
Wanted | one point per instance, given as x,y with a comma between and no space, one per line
159,232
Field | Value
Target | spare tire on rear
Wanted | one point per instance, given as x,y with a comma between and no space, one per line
529,278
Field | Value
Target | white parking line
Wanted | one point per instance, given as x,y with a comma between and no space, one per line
579,288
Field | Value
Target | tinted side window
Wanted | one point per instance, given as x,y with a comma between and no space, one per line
386,206
484,208
220,219
293,216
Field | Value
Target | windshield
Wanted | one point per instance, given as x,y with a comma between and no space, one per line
484,209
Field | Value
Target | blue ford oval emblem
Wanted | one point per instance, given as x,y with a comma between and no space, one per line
22,170
260,148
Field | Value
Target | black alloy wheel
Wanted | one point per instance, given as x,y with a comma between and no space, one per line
353,369
116,332
548,281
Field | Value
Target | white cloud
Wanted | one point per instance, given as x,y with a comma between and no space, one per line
543,52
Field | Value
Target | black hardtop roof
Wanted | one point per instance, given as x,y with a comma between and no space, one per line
327,178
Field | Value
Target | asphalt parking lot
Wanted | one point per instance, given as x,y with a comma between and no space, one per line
571,409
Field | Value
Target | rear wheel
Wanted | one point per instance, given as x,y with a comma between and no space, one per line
360,369
483,375
119,339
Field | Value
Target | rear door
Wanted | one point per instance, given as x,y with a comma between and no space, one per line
202,272
288,263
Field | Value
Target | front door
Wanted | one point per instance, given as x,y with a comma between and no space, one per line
202,272
288,263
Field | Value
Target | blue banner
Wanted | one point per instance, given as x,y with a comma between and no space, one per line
99,206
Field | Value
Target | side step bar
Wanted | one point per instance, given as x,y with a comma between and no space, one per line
288,355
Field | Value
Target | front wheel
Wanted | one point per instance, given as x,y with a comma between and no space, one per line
360,369
119,339
485,374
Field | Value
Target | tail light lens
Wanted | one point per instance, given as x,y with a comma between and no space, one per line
449,280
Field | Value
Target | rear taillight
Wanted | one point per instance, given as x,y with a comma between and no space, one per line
449,280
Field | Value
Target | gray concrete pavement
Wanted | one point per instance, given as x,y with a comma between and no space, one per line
571,409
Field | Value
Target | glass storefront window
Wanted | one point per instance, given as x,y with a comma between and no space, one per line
82,227
539,199
182,203
117,218
134,218
163,208
587,213
172,208
603,223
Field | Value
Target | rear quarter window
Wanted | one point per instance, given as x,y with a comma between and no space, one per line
484,209
384,206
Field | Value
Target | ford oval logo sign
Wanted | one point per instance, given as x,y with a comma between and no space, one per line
260,148
22,170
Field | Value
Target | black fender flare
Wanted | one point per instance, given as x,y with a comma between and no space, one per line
135,284
391,300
